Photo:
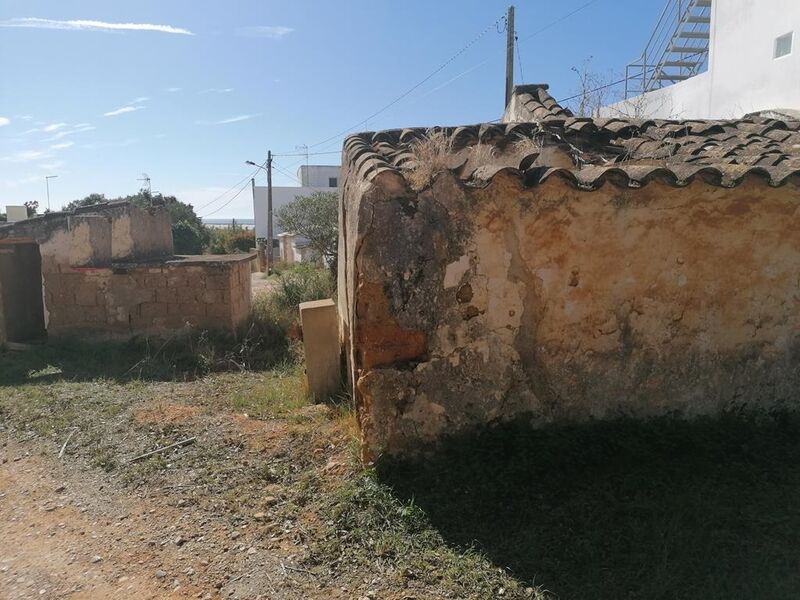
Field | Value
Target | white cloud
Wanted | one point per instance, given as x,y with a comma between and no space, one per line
4,121
23,180
216,91
122,111
80,128
117,144
53,127
25,117
172,90
139,100
52,166
272,32
84,25
26,156
235,119
61,145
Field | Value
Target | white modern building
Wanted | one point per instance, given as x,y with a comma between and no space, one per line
717,59
312,178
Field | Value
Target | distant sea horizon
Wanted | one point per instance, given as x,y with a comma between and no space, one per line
246,223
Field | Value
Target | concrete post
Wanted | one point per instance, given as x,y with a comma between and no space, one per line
321,342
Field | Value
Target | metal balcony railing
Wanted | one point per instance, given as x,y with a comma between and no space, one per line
677,49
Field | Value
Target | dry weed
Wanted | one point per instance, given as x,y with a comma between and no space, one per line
431,153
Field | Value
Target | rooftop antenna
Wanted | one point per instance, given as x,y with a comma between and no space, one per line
146,178
304,148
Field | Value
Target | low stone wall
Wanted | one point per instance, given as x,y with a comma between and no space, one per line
462,306
149,298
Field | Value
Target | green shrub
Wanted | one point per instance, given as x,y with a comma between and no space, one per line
232,240
303,283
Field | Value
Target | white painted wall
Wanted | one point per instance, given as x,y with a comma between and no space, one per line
318,175
16,213
742,77
280,197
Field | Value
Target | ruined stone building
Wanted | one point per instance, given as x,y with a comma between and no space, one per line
555,268
110,271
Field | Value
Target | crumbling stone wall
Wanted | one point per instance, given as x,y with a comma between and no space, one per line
149,298
462,305
110,271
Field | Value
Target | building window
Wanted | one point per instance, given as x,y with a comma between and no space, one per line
333,182
783,45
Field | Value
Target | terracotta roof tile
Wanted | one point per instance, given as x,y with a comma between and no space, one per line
624,152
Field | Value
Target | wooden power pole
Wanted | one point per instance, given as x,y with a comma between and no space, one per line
509,55
269,212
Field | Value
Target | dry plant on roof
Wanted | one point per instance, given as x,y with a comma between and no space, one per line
431,154
528,144
481,154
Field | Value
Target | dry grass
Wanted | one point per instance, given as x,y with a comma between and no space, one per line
526,145
431,153
481,154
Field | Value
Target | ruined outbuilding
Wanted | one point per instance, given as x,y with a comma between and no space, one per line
558,269
110,271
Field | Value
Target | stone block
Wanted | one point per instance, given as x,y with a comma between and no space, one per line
86,295
187,294
152,310
322,349
166,295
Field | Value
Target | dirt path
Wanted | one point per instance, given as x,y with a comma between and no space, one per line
259,285
63,538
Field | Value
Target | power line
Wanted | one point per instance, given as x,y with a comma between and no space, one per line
519,58
274,164
310,153
413,88
226,203
612,84
560,20
226,192
602,87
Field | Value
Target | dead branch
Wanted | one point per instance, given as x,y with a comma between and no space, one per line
69,437
185,442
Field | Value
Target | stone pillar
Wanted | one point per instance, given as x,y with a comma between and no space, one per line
321,342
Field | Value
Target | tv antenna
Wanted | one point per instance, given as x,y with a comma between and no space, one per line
146,179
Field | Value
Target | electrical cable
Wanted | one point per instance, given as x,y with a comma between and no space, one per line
226,192
559,20
414,87
216,210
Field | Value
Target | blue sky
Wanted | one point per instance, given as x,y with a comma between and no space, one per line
100,92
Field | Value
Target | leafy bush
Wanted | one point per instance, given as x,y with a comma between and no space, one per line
189,238
232,240
303,283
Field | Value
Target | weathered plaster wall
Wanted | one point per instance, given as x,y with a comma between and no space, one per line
462,306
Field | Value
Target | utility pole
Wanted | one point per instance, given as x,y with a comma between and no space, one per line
509,55
269,212
261,254
47,179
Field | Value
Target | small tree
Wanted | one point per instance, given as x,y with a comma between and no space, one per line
189,233
596,90
32,206
315,217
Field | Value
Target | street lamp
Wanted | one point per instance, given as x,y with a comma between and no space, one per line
268,169
47,179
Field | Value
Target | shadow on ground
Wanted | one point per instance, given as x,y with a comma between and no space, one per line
669,509
151,359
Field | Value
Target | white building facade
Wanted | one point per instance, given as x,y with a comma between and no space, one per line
753,66
314,178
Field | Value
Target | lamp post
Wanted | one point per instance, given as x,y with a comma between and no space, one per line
47,179
268,169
